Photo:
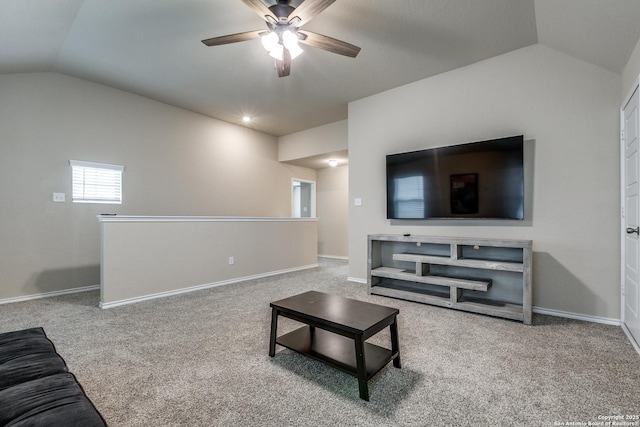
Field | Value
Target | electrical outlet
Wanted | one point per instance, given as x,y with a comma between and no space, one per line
58,197
231,260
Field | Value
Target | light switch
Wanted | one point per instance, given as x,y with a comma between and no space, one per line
58,197
357,201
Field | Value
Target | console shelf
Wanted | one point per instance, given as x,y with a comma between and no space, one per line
397,273
487,276
336,350
471,263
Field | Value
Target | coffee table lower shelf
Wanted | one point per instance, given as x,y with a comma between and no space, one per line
335,350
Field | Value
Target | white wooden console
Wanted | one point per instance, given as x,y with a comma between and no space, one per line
487,276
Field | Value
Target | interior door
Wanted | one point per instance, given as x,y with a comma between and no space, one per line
631,222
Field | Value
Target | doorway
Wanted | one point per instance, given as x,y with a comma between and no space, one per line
303,199
630,158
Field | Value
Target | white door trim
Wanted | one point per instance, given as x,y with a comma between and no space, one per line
631,339
623,254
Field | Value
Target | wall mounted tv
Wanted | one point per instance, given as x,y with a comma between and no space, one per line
479,180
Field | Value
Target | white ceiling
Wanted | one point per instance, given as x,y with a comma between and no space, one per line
152,48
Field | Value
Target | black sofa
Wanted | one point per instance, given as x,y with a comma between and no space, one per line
36,387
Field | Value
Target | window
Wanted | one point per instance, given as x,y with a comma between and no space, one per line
96,182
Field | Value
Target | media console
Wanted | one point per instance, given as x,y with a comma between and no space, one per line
487,276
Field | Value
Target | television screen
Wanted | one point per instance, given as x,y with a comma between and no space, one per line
475,180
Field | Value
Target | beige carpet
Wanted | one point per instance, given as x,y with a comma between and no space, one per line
201,359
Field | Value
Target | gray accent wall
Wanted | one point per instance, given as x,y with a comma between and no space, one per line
176,163
568,111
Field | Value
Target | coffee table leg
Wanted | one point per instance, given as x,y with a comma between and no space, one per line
274,331
362,368
395,344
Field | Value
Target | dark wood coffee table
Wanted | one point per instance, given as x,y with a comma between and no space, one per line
336,331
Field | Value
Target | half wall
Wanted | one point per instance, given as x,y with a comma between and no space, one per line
151,257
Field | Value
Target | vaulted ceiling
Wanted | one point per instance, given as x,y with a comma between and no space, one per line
152,48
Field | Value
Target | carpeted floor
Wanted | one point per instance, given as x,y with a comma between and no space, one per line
201,359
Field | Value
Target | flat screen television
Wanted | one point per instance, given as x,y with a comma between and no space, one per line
483,180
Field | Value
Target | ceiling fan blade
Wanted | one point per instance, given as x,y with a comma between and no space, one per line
260,8
329,44
233,38
309,9
284,66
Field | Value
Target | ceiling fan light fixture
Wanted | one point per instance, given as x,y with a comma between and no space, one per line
277,52
284,22
290,41
295,51
270,41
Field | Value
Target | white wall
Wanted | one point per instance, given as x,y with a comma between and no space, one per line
176,163
568,108
631,71
319,140
332,193
332,186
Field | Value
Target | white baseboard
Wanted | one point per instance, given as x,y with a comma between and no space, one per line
577,316
49,294
343,258
201,287
357,280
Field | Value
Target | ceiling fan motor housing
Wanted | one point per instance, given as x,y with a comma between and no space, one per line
282,10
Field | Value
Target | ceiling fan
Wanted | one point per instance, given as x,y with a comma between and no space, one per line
284,22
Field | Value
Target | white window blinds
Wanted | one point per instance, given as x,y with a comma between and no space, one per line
96,182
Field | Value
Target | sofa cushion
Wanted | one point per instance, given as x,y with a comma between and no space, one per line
54,401
27,355
30,367
15,344
7,337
